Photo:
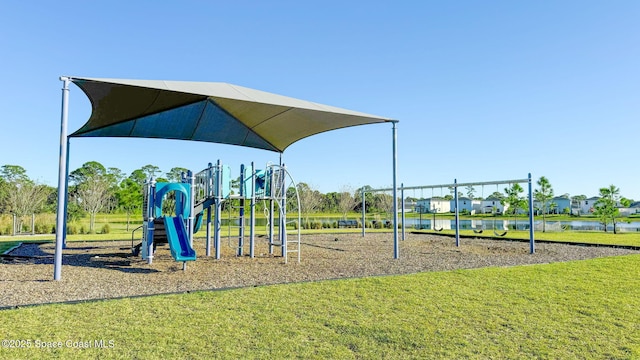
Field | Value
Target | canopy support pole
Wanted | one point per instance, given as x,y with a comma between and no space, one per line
396,249
532,241
62,180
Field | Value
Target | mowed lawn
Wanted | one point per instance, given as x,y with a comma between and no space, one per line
581,309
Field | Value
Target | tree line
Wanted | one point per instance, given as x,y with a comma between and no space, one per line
94,188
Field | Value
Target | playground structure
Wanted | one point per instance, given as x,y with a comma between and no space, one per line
455,185
211,112
207,191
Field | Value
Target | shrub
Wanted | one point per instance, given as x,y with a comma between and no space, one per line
41,228
72,229
105,229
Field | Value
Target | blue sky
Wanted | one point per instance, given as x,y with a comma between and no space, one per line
484,91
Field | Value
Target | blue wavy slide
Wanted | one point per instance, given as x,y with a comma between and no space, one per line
178,239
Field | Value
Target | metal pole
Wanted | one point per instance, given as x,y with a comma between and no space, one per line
62,180
252,221
210,194
241,212
192,183
403,213
217,222
363,212
455,188
532,242
283,212
271,220
66,196
152,227
396,252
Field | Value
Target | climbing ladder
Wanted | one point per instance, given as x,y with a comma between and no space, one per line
276,189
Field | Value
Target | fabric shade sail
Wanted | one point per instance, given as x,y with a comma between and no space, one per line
210,112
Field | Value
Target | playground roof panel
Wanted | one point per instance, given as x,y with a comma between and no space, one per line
210,112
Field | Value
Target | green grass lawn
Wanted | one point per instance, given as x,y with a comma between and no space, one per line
590,237
581,309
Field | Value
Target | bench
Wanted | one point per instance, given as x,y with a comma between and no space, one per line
347,223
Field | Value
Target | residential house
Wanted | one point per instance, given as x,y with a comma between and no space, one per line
465,203
586,206
557,205
492,205
634,208
434,204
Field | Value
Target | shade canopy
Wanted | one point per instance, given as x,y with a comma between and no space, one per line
210,112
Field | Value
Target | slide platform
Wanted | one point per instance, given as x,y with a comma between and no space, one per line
178,239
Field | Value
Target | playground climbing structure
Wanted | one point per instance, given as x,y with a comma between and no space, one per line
198,201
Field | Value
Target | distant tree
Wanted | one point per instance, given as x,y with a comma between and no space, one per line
25,197
20,195
543,196
470,191
606,208
368,197
150,170
175,174
13,173
310,199
3,194
514,200
139,176
116,176
330,202
384,202
129,197
497,195
92,189
346,201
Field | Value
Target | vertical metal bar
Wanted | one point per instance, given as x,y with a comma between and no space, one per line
241,212
272,219
364,225
62,180
208,251
192,193
455,196
152,216
66,196
209,194
402,202
283,213
252,214
532,242
396,250
217,222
